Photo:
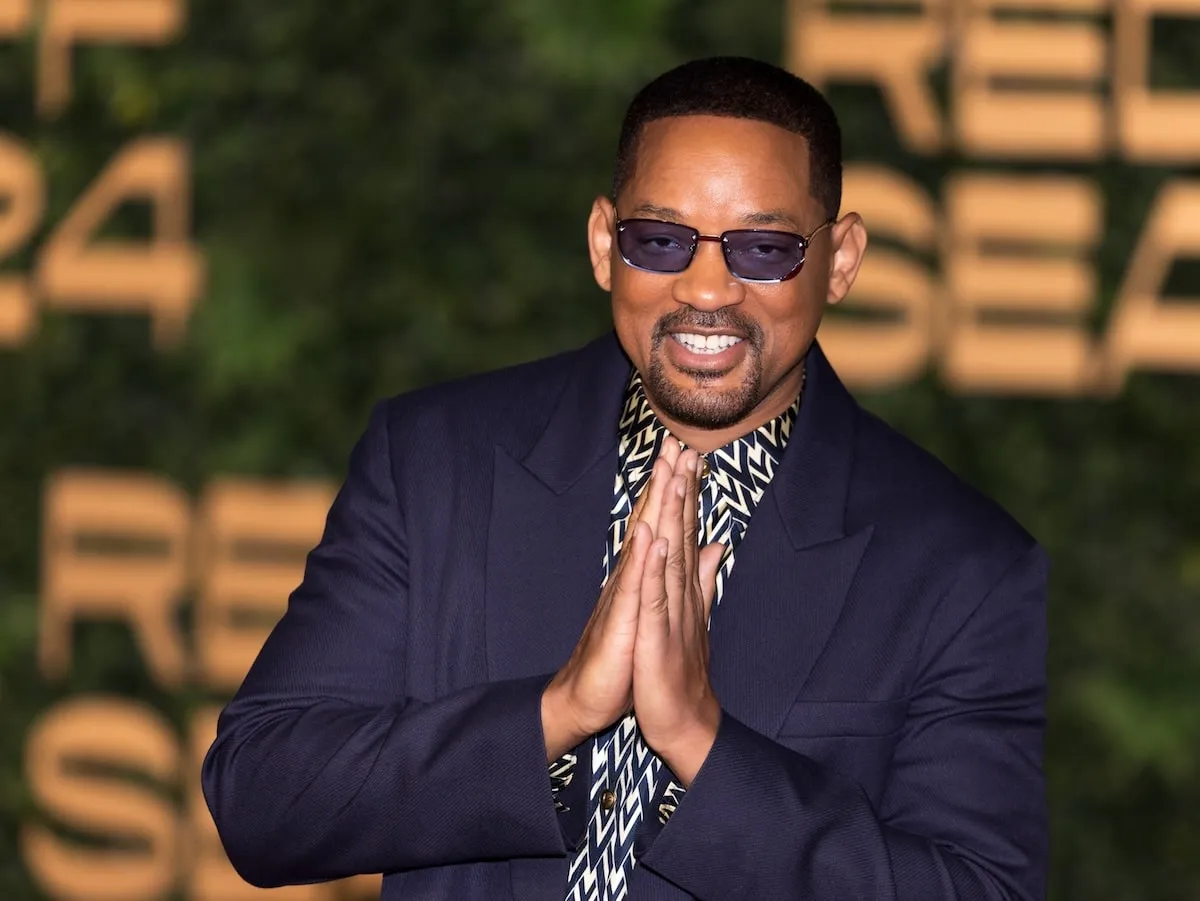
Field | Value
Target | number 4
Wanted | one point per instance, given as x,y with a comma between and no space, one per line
74,271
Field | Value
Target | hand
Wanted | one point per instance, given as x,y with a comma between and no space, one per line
595,686
676,709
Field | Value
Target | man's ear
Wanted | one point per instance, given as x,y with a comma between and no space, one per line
849,246
601,225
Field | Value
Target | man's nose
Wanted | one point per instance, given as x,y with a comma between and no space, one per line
707,283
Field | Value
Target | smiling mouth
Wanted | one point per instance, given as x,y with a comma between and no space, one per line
706,344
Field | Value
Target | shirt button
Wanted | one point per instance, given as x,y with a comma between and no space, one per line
608,799
704,467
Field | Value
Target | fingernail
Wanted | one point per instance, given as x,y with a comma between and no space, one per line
679,490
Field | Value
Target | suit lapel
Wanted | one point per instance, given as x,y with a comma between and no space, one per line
780,606
549,518
544,565
795,566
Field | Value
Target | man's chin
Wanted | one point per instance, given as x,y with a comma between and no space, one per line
702,406
710,397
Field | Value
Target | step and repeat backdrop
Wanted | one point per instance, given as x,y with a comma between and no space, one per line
243,251
131,546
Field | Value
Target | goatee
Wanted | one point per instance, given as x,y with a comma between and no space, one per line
699,406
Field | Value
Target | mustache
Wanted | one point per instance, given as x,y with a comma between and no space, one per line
726,319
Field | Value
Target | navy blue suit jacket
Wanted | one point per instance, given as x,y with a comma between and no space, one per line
879,657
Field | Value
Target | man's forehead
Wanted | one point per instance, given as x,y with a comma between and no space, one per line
697,146
759,171
705,129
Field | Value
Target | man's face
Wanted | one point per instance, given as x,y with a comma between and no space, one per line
716,352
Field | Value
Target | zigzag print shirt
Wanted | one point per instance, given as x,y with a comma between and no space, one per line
625,773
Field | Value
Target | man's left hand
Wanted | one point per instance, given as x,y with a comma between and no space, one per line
676,709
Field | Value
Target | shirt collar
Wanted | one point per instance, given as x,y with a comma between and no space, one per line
641,436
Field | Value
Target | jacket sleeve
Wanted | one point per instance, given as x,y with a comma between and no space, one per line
964,814
324,767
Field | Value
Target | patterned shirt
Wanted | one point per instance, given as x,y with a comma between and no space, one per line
625,774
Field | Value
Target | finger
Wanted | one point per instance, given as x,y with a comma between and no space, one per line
655,491
653,588
624,599
653,613
670,528
688,468
709,564
639,505
670,450
691,515
637,544
645,511
692,618
648,506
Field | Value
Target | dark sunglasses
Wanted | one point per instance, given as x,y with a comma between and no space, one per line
751,254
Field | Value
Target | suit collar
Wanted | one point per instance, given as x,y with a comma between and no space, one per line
812,485
583,425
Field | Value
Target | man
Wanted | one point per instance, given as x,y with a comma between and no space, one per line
853,710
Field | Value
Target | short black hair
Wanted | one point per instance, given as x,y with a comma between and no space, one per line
741,88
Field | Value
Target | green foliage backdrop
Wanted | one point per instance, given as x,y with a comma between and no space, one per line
390,194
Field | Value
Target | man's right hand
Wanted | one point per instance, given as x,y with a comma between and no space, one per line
595,687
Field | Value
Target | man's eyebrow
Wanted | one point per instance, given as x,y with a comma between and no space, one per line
771,217
658,212
750,220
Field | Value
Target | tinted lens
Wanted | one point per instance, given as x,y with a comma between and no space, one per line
656,246
763,256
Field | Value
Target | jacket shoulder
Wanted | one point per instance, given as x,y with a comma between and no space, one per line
902,485
509,406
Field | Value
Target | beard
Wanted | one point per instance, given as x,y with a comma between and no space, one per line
703,405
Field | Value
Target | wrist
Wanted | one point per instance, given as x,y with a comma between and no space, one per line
686,752
558,730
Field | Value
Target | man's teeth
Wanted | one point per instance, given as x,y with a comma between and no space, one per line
707,344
